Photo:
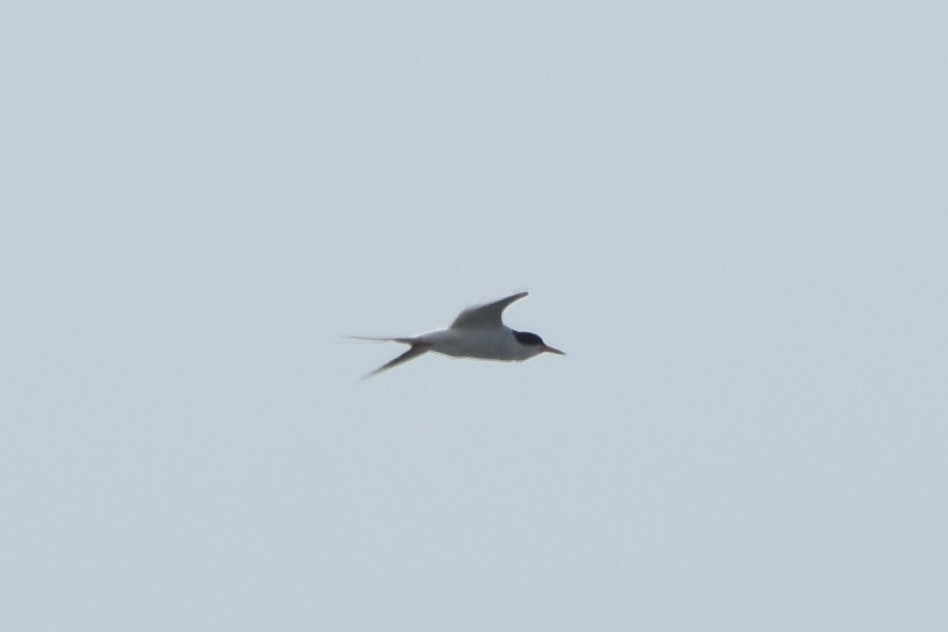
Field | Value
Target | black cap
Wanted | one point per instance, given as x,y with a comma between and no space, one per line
527,339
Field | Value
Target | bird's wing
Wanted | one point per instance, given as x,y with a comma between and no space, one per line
416,350
487,315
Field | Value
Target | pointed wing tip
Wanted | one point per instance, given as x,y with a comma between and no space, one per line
485,314
507,300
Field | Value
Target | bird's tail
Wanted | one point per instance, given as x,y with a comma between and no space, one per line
404,341
417,348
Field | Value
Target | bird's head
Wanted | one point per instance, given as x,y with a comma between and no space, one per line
534,344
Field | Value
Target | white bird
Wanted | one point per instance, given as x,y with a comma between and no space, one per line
477,332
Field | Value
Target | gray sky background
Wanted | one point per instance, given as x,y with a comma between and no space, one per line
732,216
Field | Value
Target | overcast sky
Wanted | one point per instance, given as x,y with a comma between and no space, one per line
732,216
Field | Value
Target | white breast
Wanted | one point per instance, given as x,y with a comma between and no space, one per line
487,343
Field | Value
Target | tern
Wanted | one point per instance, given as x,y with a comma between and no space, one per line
477,332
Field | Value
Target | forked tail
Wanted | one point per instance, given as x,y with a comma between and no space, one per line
404,341
417,348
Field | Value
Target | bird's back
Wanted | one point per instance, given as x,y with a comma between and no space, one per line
485,343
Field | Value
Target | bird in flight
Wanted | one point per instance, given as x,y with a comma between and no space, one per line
477,332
